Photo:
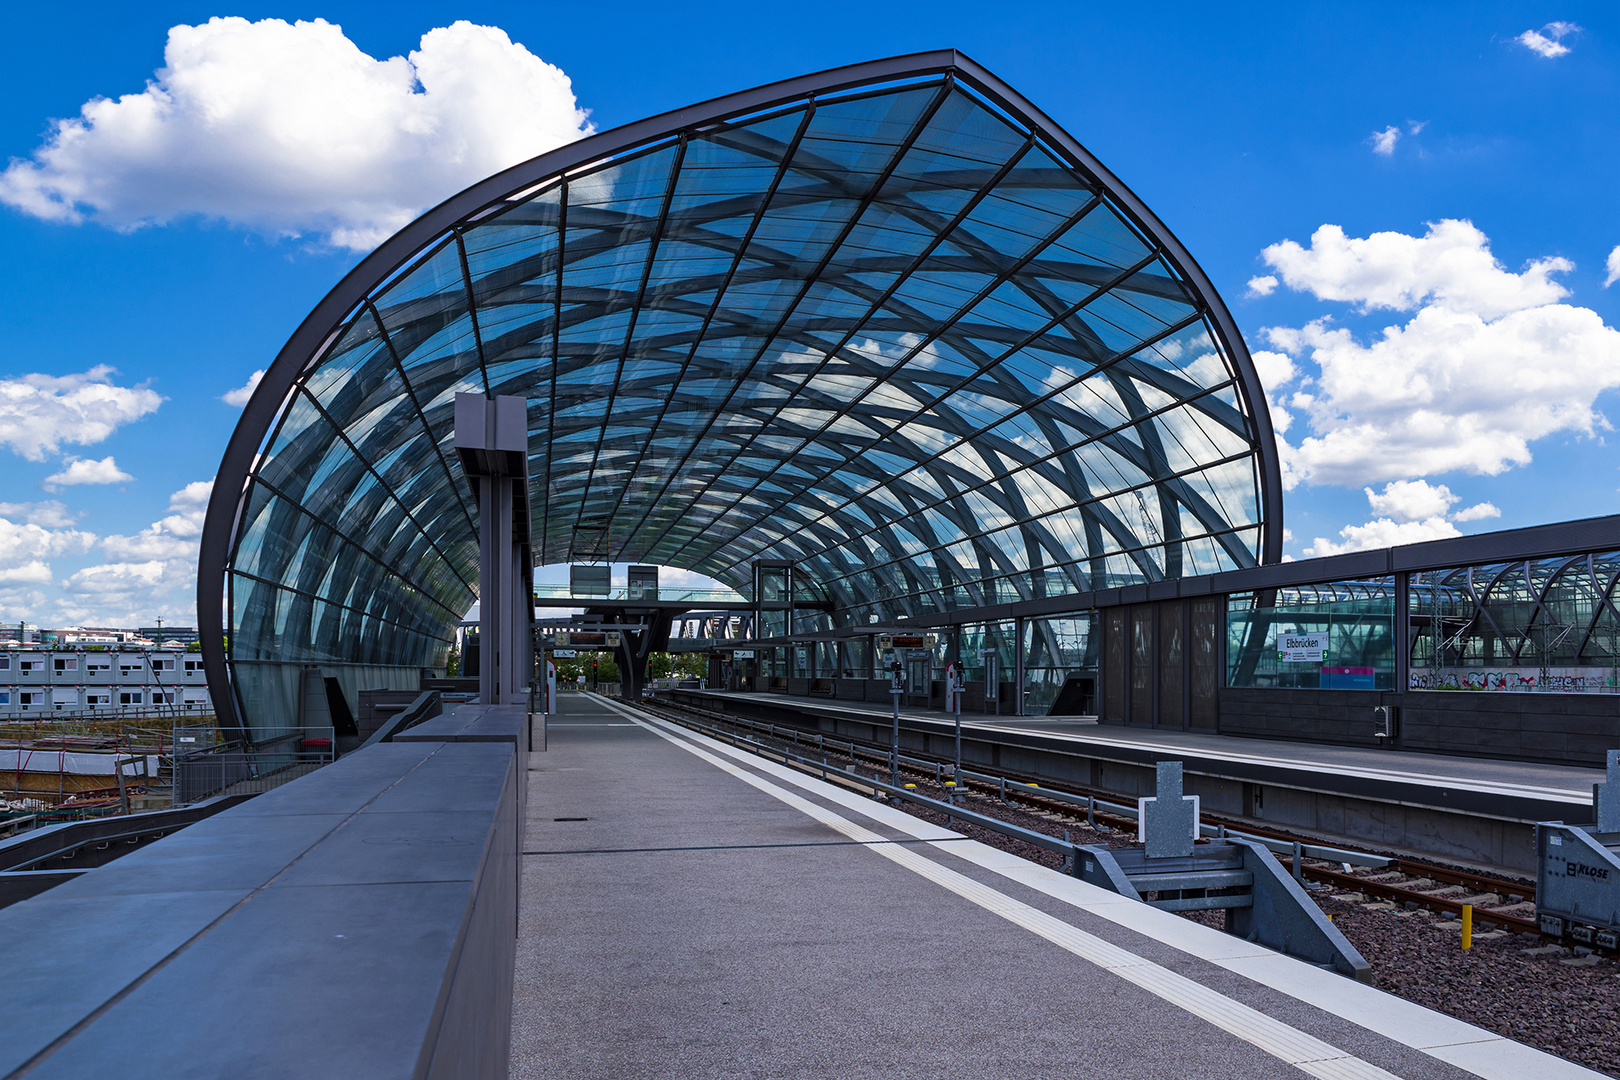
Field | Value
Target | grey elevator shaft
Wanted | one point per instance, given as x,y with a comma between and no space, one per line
492,443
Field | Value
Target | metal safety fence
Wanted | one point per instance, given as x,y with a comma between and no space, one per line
204,768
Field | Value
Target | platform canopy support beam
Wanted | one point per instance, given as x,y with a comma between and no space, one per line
492,443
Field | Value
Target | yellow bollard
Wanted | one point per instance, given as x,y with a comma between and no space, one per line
1468,926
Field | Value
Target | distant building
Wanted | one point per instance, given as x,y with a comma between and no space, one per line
100,680
94,635
163,635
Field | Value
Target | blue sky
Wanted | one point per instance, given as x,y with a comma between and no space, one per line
1241,129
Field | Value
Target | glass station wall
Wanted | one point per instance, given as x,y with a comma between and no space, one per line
1055,649
1535,626
979,638
1334,636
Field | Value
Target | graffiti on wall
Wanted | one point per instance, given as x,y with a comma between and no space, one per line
1577,680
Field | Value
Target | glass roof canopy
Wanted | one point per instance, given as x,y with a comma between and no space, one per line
887,322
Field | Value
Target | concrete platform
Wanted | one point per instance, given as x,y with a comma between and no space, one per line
690,910
1475,810
1560,785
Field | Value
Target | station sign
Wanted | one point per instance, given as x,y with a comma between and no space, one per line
564,654
919,654
1302,648
742,654
588,639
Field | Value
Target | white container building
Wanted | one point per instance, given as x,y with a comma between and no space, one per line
80,681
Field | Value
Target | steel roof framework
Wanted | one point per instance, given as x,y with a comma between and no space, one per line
888,323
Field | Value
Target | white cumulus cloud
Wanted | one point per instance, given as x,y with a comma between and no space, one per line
86,471
1477,512
1417,500
1450,264
152,574
1613,267
30,535
1276,370
1382,533
1383,142
174,536
1407,512
239,397
290,129
1488,363
51,514
127,594
1548,42
38,413
1262,286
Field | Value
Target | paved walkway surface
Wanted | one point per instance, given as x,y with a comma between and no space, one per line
689,910
1563,783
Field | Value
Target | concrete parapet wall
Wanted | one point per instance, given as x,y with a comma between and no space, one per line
358,922
1561,729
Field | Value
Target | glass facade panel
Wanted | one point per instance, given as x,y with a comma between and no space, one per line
1538,626
1054,650
1334,636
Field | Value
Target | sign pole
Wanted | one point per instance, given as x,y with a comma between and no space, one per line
958,774
953,687
894,749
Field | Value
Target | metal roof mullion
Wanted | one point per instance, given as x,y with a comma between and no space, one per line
1020,522
979,372
472,311
362,612
1602,593
369,467
1033,462
918,127
998,278
421,413
915,263
653,241
556,364
743,246
1153,450
346,538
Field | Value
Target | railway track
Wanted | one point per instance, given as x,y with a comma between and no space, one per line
1403,882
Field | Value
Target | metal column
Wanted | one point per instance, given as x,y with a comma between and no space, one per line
492,443
1018,666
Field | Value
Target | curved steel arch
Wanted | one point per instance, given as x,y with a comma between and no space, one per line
1097,438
